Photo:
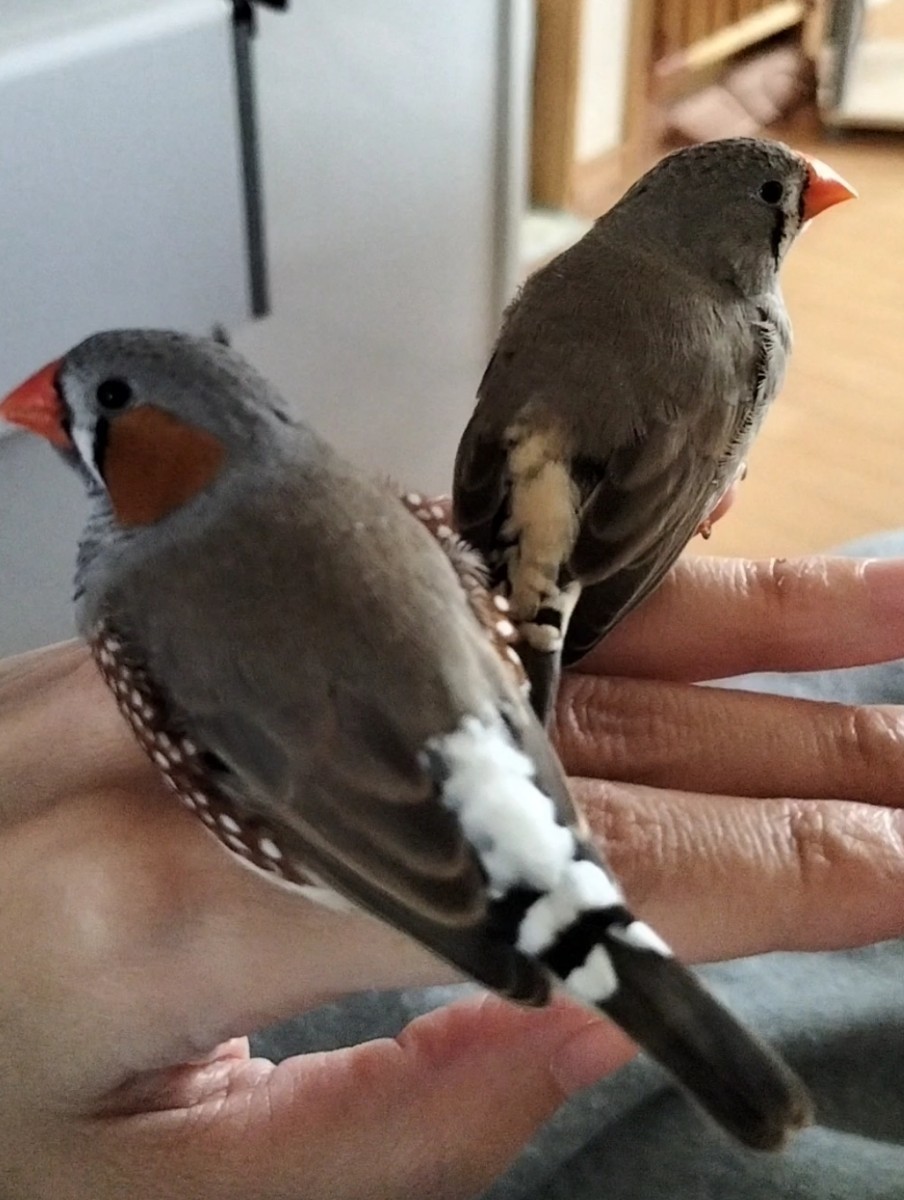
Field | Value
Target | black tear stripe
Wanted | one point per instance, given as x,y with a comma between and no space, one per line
65,410
778,233
101,440
572,947
507,913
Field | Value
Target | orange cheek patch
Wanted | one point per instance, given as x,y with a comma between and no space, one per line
154,463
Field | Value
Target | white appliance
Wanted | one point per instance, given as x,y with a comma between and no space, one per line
392,150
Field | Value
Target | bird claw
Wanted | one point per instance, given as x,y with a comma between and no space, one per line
705,529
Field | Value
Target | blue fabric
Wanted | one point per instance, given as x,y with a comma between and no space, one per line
838,1018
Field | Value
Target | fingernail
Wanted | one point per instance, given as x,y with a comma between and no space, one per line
585,1057
885,579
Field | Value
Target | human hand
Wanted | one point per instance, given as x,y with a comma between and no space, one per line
134,942
742,823
134,947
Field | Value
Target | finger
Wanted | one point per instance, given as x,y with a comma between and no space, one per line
722,877
717,617
730,742
440,1111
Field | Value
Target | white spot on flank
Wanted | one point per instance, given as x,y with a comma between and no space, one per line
505,629
443,531
641,936
236,844
437,510
545,638
270,849
414,498
595,979
583,887
199,799
510,823
189,748
326,897
501,603
160,758
229,823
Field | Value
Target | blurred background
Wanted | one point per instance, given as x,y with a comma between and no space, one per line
354,189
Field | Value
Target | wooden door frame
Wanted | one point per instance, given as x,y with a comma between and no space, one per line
559,25
555,98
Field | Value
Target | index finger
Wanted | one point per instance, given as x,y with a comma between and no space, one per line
717,617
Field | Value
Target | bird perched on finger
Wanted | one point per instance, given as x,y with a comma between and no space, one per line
325,682
629,379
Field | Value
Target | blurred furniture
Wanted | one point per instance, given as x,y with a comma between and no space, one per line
604,69
592,64
859,53
694,39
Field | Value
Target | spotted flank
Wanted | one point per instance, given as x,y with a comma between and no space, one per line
550,899
491,608
186,768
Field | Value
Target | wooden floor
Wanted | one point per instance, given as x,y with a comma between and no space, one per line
829,464
884,20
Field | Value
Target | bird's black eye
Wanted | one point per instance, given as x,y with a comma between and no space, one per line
772,191
113,394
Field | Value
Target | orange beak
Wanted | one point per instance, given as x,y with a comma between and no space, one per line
824,187
36,405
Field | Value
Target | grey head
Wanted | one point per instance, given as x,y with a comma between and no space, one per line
168,431
728,209
197,381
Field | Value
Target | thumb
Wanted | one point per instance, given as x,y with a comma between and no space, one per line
444,1108
439,1111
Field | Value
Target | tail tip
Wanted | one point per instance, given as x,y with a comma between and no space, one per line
775,1127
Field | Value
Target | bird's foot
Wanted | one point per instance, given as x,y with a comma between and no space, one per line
546,629
724,503
532,588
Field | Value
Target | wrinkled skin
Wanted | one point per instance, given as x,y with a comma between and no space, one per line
135,947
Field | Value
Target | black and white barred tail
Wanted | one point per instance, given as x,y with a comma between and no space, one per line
554,902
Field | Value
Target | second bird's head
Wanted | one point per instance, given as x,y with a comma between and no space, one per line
729,208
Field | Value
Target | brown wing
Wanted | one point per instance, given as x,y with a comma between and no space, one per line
641,510
480,490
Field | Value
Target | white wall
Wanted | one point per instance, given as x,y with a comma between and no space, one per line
384,168
602,76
